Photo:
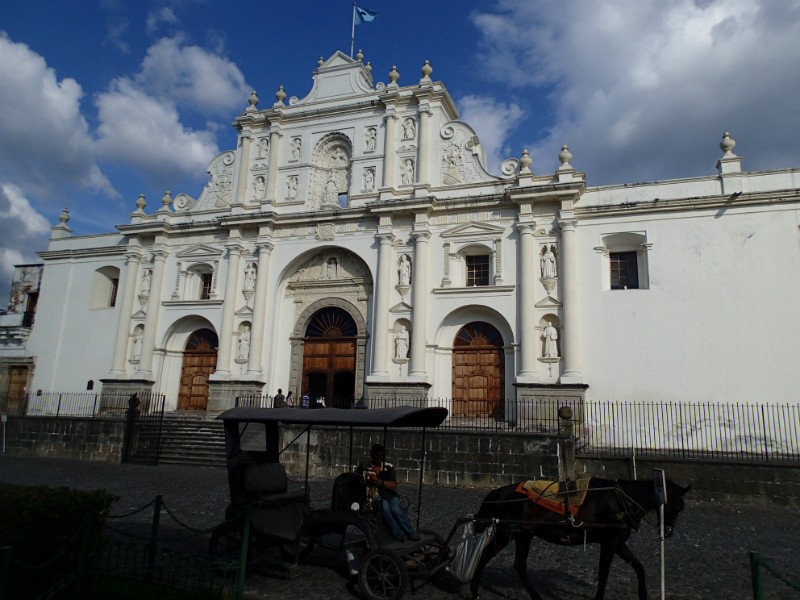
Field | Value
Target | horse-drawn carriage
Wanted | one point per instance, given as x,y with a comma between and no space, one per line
279,513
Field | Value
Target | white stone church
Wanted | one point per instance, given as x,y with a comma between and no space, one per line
355,246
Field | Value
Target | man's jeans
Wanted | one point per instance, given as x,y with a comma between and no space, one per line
395,517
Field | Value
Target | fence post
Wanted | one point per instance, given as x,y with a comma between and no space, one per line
755,574
58,407
152,545
566,444
5,561
243,556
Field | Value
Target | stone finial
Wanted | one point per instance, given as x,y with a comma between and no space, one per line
64,217
368,67
360,55
61,230
280,95
141,202
727,144
166,199
320,62
393,76
565,156
427,69
253,99
525,162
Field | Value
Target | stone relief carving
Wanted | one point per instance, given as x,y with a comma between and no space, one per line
262,147
138,340
462,157
548,263
147,276
291,187
369,179
326,231
183,202
331,269
319,267
370,139
404,270
452,163
331,196
550,336
249,277
401,343
243,343
295,147
330,171
409,129
407,172
259,187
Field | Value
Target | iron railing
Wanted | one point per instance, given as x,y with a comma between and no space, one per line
78,404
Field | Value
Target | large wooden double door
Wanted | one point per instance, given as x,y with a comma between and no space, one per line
478,371
329,358
199,361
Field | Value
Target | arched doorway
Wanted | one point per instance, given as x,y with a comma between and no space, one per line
478,371
199,361
329,357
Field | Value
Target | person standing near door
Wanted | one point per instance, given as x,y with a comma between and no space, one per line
279,401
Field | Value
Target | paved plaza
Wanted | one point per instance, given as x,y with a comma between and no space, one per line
706,558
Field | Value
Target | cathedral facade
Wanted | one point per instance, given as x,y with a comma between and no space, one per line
354,246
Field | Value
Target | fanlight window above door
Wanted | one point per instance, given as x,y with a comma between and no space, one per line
478,334
331,323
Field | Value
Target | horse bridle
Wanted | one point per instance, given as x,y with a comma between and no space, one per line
634,522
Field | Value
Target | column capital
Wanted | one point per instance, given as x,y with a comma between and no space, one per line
568,224
134,255
526,228
234,247
385,237
266,245
390,116
159,253
422,235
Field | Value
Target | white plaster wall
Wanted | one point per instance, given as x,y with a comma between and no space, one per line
720,320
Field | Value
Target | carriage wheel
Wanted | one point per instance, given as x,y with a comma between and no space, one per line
382,576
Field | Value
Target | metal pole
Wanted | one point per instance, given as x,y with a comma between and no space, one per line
350,464
151,548
421,476
661,513
308,445
353,31
243,556
755,574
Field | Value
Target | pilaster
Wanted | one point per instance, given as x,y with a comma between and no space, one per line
153,312
224,353
526,303
133,259
420,293
254,366
571,324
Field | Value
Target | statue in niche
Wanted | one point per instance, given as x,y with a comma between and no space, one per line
260,186
261,147
243,346
331,196
331,270
370,138
295,148
138,340
249,278
549,263
407,172
338,157
550,336
401,343
291,187
146,279
405,270
409,129
369,179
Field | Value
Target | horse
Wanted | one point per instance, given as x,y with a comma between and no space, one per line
610,511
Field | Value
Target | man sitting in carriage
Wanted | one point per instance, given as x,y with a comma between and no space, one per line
382,492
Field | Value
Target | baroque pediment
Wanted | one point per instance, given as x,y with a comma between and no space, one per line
474,231
330,267
218,191
462,157
200,252
339,76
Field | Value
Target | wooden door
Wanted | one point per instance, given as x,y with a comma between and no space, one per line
478,372
329,357
17,382
199,361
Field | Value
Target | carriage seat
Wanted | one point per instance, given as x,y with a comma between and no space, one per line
267,483
553,495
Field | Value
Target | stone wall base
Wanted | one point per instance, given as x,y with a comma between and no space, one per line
538,403
394,394
222,394
113,396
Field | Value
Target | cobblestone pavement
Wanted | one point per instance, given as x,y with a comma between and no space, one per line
706,558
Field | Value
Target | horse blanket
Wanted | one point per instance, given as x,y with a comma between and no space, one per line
556,496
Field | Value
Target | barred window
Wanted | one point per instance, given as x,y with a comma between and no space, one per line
205,289
477,270
624,270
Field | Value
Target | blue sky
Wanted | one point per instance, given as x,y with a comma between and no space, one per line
102,100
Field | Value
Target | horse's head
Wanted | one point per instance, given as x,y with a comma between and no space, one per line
674,506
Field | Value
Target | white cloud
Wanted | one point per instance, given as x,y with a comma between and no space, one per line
44,138
642,89
193,76
156,17
493,121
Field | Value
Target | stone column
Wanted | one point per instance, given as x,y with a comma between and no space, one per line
228,307
570,327
272,174
419,338
389,151
133,258
526,313
254,366
153,310
244,170
380,348
424,143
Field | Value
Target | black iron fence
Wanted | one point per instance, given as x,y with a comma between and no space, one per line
78,404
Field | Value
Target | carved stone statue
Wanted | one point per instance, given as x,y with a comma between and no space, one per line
338,157
291,187
550,336
249,278
409,129
549,263
401,343
260,186
405,270
407,172
370,138
138,339
295,148
243,346
331,270
261,147
369,179
146,279
331,191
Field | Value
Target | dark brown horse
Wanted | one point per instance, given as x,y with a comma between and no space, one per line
611,509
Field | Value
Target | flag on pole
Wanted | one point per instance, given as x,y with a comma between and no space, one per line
364,15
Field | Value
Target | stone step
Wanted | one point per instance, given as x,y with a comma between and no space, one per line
189,440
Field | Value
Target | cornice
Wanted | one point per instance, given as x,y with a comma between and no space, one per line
82,253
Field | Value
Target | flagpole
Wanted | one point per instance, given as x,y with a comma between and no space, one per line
353,31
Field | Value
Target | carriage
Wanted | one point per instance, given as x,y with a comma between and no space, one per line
279,511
